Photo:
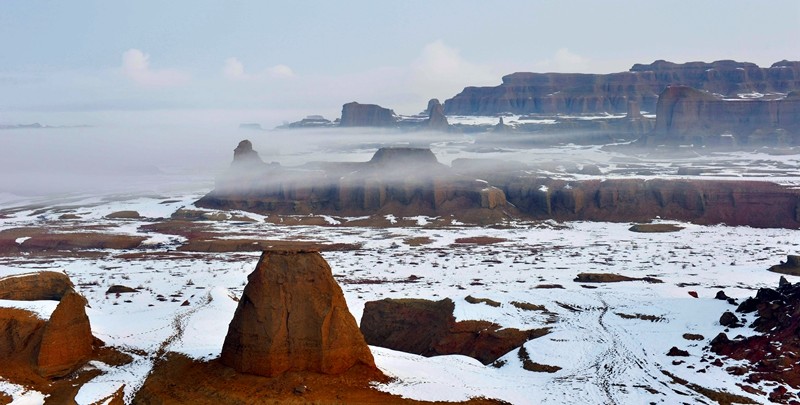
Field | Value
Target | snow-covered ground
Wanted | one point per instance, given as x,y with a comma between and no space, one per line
605,355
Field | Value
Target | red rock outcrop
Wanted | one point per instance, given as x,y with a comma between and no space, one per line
244,155
429,328
685,114
774,350
398,181
33,347
573,93
293,317
67,338
44,285
366,115
751,203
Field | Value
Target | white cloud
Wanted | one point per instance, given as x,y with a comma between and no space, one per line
440,71
564,61
280,71
233,69
136,66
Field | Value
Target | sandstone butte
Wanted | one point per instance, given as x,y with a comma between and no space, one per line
293,317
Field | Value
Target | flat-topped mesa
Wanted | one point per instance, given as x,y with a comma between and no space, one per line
687,115
397,181
575,93
293,317
404,156
366,115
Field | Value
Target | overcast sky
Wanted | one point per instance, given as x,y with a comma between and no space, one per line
91,62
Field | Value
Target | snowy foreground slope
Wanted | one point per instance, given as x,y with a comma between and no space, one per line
610,339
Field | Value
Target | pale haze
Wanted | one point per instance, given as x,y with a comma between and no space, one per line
214,62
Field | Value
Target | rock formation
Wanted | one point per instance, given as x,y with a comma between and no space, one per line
410,182
244,155
791,266
31,347
771,352
293,317
688,115
44,285
366,115
436,118
398,181
573,93
67,339
429,328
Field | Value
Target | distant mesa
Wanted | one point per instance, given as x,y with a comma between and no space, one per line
578,93
251,126
293,317
366,115
398,181
311,121
686,115
408,182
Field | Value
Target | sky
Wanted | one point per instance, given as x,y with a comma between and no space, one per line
225,62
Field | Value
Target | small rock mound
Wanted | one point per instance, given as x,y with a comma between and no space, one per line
791,266
293,317
429,328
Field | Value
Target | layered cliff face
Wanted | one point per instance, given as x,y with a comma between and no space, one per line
409,182
366,115
751,203
293,317
398,181
685,114
573,93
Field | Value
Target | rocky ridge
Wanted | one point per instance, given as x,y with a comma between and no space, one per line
575,93
410,182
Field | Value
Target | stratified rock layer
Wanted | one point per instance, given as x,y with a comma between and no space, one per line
293,317
366,115
45,285
688,115
576,93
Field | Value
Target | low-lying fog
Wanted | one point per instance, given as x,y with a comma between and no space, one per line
158,158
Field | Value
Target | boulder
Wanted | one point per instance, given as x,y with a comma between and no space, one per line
366,115
293,316
43,285
429,328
